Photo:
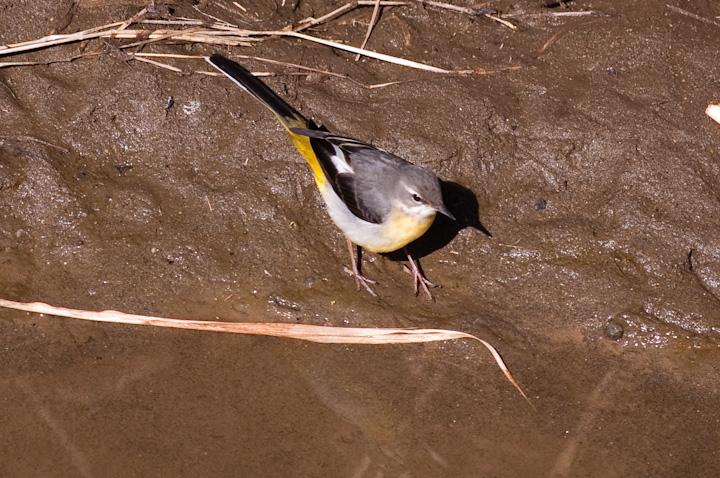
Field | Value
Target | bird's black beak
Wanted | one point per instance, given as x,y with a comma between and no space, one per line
443,210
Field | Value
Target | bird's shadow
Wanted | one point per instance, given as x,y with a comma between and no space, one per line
463,204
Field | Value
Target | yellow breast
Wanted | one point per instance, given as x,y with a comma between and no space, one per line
398,231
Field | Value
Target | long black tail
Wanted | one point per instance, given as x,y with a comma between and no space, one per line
288,116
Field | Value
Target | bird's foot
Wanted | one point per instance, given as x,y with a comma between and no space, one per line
361,280
419,279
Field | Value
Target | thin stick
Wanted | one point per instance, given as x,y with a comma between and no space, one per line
389,83
455,8
563,32
5,64
36,140
138,56
369,53
257,58
231,11
169,34
310,333
219,34
132,19
159,64
176,56
501,21
557,14
483,11
303,67
384,3
311,22
143,57
692,15
220,21
53,40
375,13
186,22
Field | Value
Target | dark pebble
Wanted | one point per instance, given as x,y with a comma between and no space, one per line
614,331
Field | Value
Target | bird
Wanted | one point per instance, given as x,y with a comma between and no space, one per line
379,201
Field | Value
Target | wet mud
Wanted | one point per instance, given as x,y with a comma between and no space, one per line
585,183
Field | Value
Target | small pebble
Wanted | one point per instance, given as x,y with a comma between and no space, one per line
541,204
613,330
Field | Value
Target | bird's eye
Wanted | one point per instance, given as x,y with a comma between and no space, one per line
416,198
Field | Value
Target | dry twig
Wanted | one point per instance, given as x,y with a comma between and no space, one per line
311,22
224,33
482,11
562,33
373,20
692,15
584,13
218,35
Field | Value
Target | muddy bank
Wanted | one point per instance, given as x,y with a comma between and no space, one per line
126,186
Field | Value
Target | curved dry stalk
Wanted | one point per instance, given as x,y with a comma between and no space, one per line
310,333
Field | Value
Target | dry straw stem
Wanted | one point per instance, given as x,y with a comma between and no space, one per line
310,333
564,31
223,33
692,15
307,70
375,13
309,22
467,10
220,35
584,13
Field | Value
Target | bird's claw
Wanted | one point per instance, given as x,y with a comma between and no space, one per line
361,280
419,280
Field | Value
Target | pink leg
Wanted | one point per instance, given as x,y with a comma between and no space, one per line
360,280
418,277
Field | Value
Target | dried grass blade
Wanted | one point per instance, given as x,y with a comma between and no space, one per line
223,35
311,333
692,15
311,22
373,20
157,63
48,41
368,53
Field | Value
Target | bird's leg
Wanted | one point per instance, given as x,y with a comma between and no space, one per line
418,277
355,272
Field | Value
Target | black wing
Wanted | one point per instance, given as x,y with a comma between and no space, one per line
343,180
338,157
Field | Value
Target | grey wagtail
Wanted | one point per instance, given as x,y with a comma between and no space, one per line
378,200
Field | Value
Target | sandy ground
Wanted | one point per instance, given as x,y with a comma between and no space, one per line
126,186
